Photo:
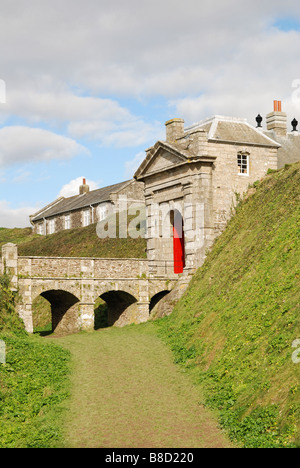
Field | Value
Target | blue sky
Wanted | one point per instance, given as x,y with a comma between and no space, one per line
89,84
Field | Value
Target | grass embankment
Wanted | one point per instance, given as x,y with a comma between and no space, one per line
33,382
16,236
80,242
235,326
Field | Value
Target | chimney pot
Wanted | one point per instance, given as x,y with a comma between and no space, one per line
84,188
277,120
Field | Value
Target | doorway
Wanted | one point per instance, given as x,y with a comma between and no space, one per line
178,241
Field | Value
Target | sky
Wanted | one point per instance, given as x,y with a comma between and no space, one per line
86,86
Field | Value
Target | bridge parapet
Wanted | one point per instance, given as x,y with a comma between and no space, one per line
82,267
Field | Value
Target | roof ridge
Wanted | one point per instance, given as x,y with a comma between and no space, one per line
218,118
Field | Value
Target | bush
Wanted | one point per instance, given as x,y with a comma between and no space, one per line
9,319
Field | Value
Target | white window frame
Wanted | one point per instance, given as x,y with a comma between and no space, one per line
102,211
86,217
52,226
243,163
40,229
67,221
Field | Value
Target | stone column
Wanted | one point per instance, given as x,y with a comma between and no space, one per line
151,232
10,262
10,266
206,231
189,217
142,311
25,313
86,318
143,302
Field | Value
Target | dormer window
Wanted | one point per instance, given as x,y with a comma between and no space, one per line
243,163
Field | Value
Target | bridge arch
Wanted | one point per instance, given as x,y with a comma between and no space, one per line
120,308
156,298
64,307
39,287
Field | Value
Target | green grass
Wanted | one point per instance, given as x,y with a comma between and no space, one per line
80,242
16,235
33,382
127,392
235,325
33,386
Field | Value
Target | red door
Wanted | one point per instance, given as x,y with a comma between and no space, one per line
178,244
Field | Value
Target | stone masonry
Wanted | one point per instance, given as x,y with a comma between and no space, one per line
199,172
72,285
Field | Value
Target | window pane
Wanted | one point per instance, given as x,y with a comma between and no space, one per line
242,160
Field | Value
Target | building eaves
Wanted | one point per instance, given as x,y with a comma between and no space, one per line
77,202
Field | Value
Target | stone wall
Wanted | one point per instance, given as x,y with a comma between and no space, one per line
227,184
71,267
73,285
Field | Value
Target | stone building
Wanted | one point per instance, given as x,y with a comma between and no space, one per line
88,207
190,183
194,178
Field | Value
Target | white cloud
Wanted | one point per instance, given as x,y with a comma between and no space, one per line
101,120
174,49
106,48
262,69
72,187
63,106
20,144
15,217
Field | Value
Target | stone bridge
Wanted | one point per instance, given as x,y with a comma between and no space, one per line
72,286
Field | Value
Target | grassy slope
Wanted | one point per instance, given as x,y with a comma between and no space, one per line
33,382
80,242
16,235
235,325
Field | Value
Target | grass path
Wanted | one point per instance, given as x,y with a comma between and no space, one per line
127,392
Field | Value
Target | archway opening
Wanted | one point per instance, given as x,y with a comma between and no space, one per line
156,298
178,241
115,308
55,311
41,316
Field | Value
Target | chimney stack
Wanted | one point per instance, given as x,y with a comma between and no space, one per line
174,129
277,120
84,188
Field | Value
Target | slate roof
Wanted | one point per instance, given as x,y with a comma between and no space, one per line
233,130
65,205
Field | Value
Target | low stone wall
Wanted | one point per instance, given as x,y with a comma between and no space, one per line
71,267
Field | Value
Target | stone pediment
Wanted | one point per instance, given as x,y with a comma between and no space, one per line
161,157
